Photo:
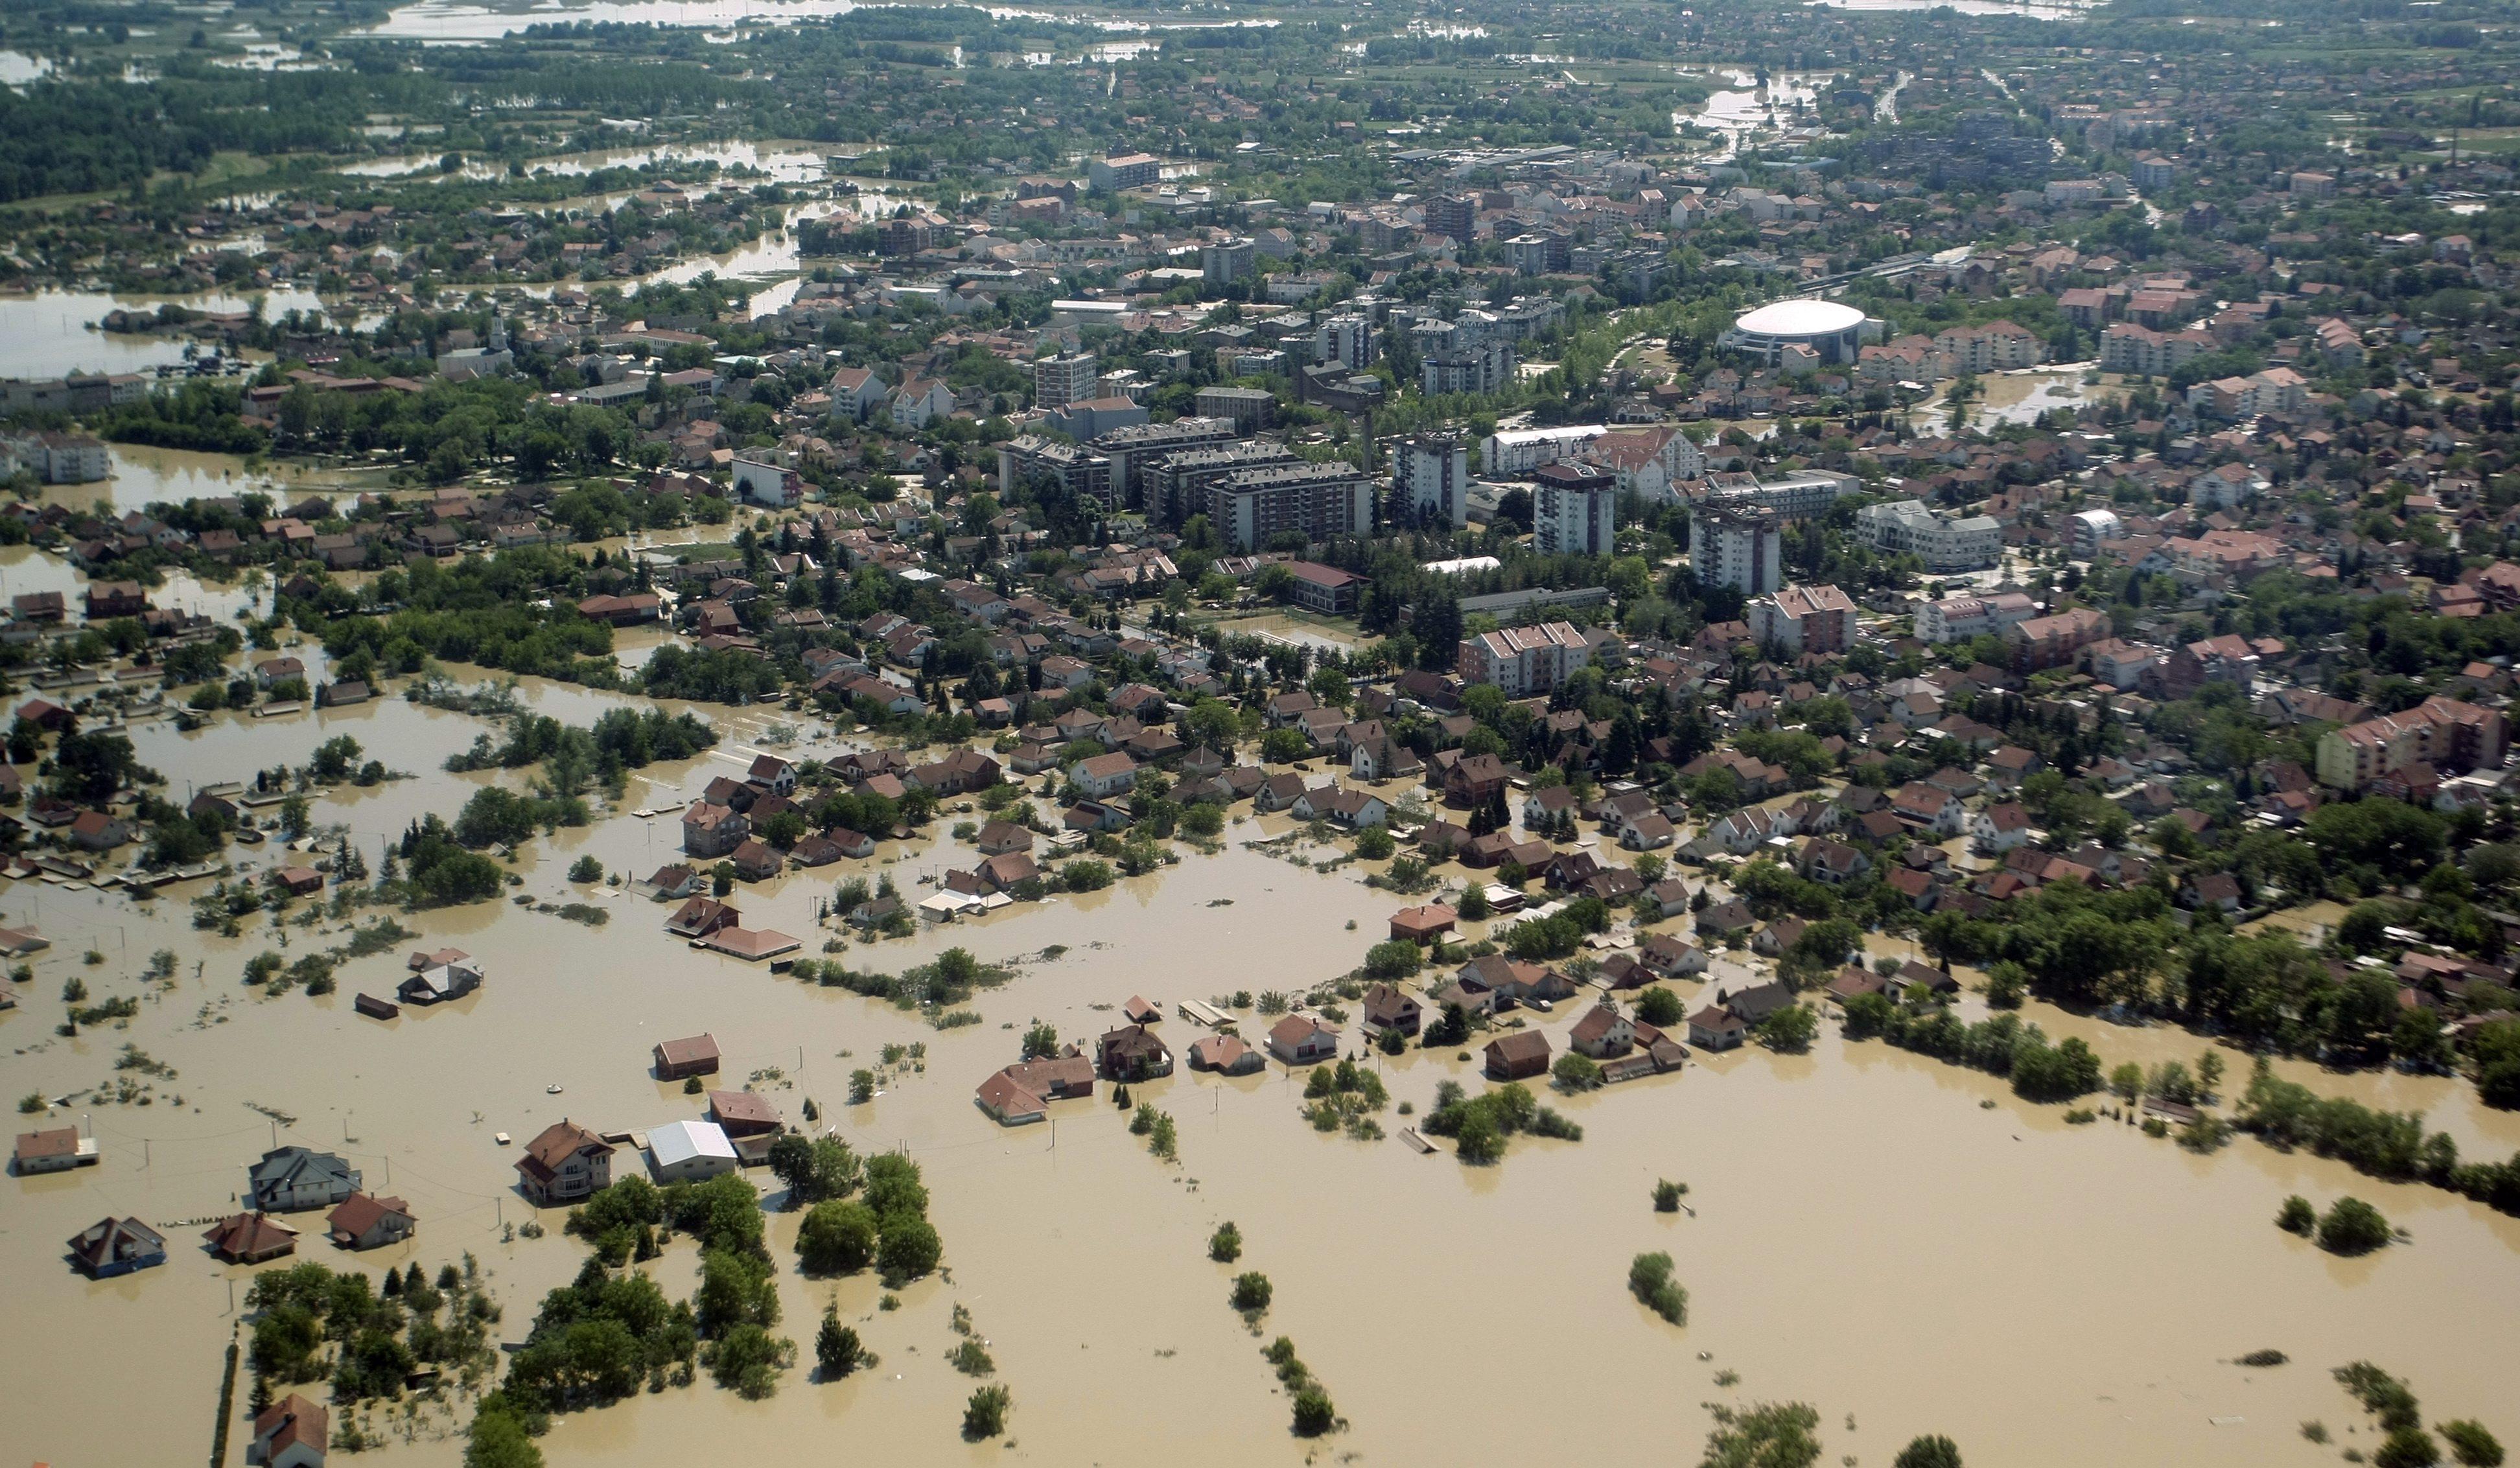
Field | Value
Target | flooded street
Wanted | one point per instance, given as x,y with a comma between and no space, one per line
1866,1236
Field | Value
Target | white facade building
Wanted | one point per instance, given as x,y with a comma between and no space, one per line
1519,451
1524,660
1575,519
1430,480
1740,549
1906,528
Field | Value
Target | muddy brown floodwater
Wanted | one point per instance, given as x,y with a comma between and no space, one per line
1866,1236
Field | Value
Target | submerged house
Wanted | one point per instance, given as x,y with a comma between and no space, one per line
1131,1052
440,984
289,1179
565,1163
367,1221
117,1246
250,1238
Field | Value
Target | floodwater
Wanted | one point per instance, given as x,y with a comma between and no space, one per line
439,20
2039,10
1866,1236
1747,109
786,164
53,332
144,475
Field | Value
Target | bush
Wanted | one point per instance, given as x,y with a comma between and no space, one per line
1224,1245
1650,1280
2407,1447
2297,1216
1574,1072
985,1414
1251,1292
1667,1195
2471,1444
1314,1415
2352,1226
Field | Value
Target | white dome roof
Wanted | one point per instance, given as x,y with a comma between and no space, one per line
1800,317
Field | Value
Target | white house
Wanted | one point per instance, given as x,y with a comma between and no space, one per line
921,401
1999,828
768,484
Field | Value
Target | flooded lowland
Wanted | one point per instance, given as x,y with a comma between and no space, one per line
1867,1233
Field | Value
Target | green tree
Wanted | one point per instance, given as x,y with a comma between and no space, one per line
985,1414
911,1247
2297,1216
1649,1280
2471,1444
1251,1292
2352,1226
1764,1435
835,1347
498,1438
837,1238
1930,1451
1314,1414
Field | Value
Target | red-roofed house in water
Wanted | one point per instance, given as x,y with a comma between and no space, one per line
290,1433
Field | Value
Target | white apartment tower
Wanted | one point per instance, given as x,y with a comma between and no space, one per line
1067,378
1430,480
1742,549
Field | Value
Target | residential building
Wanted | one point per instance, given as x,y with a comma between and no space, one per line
1574,510
1430,480
367,1221
1302,1040
1521,661
1348,340
251,1238
1906,528
1819,619
2450,737
1248,507
1743,549
1065,378
1228,263
54,1149
1956,619
565,1163
2052,640
768,484
921,401
291,1178
1248,409
290,1433
110,1247
1519,451
1129,170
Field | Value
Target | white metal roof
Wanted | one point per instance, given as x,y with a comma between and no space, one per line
1800,317
677,1142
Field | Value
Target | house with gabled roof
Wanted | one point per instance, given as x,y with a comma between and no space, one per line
565,1163
291,1178
364,1220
